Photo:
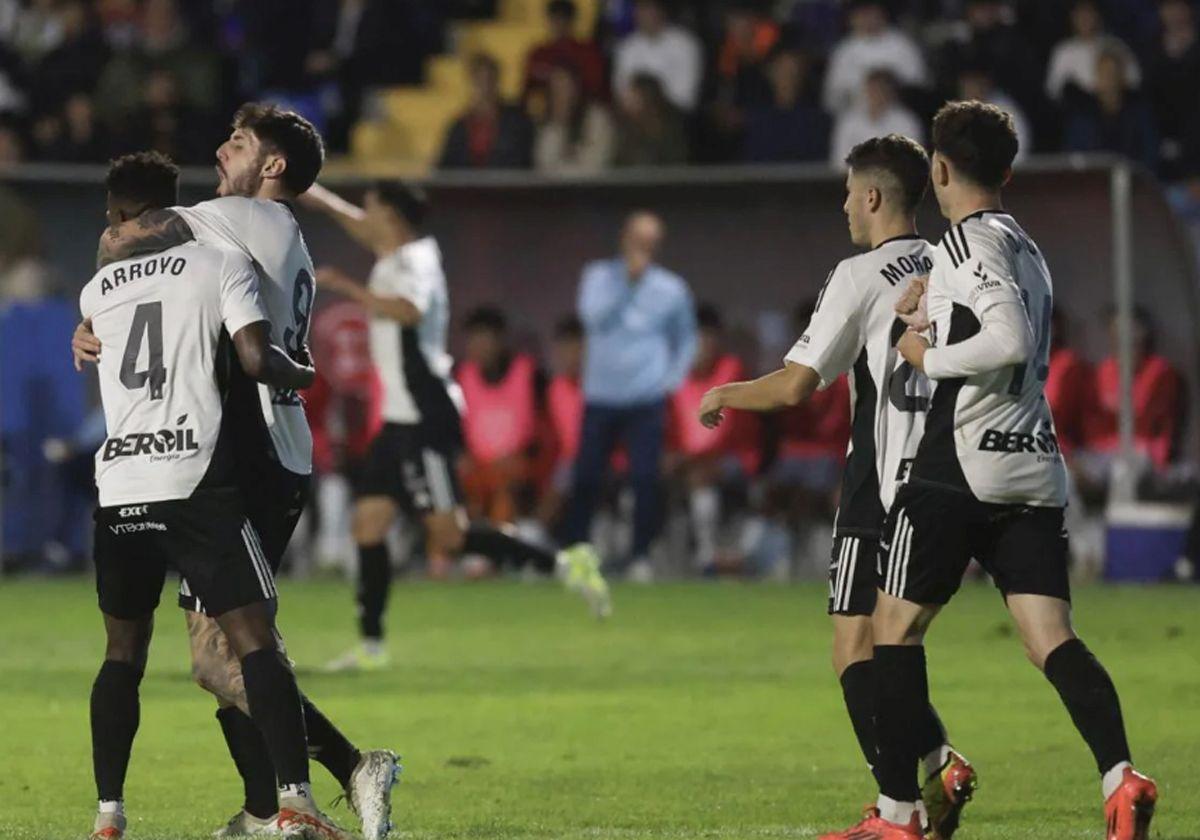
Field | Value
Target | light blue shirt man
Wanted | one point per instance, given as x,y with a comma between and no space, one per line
641,333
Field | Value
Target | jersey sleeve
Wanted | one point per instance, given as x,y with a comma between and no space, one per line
415,282
240,301
225,222
833,338
980,270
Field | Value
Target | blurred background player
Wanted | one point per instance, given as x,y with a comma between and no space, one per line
412,462
852,330
640,326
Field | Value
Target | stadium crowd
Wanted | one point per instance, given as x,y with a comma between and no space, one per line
703,81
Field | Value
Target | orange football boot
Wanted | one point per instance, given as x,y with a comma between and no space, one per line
1131,807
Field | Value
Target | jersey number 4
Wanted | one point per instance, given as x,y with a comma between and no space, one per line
146,326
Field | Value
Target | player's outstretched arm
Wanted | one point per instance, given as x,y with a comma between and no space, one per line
350,217
149,233
394,308
790,385
266,362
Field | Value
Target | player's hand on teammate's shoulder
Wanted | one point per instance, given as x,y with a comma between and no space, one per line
911,306
85,347
711,412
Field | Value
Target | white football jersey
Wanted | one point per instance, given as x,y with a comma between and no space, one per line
267,233
414,364
992,434
855,329
160,320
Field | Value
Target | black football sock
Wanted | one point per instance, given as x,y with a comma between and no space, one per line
858,689
249,753
328,745
1091,698
374,583
115,714
505,549
930,736
275,707
901,700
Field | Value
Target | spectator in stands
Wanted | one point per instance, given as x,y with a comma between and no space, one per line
740,79
163,43
74,135
641,339
576,136
12,143
1172,71
710,460
1070,387
657,48
991,46
650,131
502,425
561,49
872,43
167,124
564,410
1157,404
491,133
1114,118
880,113
976,82
1075,60
790,127
75,63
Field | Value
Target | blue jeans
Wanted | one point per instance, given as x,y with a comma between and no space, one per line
641,428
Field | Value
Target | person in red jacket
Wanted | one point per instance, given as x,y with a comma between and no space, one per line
1157,404
504,392
709,460
563,48
811,441
1070,387
344,410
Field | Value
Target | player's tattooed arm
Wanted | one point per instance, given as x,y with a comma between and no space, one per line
149,233
266,362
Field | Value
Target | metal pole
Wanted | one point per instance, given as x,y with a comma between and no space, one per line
1124,477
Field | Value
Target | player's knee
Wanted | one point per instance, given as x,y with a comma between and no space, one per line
249,629
898,622
371,523
446,535
128,641
853,641
1039,646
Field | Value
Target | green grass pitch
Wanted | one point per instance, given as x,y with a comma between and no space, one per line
699,711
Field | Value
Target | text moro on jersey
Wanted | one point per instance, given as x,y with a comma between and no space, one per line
906,267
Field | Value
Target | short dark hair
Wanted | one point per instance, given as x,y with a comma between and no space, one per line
569,327
409,201
148,178
487,317
901,158
288,134
978,138
561,8
708,318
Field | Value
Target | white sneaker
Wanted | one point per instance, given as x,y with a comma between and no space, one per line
640,571
579,569
364,657
108,827
245,824
370,792
300,819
